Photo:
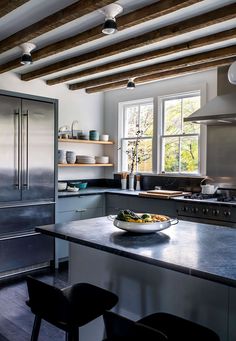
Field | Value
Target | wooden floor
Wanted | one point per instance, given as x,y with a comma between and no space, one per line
16,319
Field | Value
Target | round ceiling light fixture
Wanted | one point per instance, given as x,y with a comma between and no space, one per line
232,73
26,57
110,12
130,84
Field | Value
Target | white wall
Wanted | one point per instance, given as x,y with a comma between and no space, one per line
73,105
160,88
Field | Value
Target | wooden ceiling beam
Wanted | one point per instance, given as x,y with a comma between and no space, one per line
200,42
159,67
162,75
7,6
55,20
170,31
139,16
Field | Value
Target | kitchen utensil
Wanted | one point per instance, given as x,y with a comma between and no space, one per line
62,186
94,135
74,183
143,227
162,195
102,159
70,157
61,156
72,189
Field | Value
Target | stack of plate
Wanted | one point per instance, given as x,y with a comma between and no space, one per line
102,159
85,159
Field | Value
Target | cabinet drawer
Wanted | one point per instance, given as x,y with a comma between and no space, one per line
73,203
64,217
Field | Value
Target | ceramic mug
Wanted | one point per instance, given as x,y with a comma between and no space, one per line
104,137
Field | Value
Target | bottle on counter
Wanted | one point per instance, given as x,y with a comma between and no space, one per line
138,187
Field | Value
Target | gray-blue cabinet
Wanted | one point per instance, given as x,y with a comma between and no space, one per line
76,208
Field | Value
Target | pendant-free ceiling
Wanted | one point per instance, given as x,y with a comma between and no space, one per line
110,12
26,57
232,73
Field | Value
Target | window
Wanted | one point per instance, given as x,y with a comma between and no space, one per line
136,117
179,139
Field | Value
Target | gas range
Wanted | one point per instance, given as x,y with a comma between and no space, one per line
217,209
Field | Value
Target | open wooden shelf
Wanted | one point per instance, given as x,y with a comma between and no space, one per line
85,141
85,165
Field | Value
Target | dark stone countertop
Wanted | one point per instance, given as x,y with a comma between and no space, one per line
96,190
201,250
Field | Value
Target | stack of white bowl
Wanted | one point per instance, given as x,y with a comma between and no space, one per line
70,157
102,159
85,159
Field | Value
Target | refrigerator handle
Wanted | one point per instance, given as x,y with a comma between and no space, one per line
18,125
26,178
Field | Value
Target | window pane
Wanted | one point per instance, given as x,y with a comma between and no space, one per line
171,154
191,104
143,159
146,119
145,156
131,120
172,117
189,154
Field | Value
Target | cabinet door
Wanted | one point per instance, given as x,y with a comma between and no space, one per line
10,157
37,150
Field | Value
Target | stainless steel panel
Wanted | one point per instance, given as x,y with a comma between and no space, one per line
21,252
10,152
19,220
37,150
221,156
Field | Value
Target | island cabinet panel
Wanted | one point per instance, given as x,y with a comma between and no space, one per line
115,203
76,208
232,314
145,289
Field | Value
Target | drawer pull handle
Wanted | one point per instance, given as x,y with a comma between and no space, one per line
81,210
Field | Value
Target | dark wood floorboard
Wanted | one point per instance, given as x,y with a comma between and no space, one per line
16,319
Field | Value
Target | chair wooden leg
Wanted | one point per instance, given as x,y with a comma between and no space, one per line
36,327
72,335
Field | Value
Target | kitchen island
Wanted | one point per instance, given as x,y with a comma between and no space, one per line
188,270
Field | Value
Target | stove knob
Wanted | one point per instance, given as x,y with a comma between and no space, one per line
205,210
193,210
196,209
216,212
227,213
185,208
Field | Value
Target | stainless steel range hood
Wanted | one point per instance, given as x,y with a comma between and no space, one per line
221,109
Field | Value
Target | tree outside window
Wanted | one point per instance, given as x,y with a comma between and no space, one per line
180,140
137,123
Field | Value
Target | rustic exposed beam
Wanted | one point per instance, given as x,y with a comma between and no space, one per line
211,39
7,6
186,26
128,20
162,75
159,67
53,21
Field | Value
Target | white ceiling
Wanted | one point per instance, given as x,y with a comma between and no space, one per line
35,10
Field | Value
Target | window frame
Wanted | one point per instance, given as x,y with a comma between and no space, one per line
179,136
121,129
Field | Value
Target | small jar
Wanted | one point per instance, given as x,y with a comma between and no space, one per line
94,135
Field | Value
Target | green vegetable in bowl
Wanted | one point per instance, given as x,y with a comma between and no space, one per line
126,215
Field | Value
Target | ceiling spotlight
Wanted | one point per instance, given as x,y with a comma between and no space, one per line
26,57
130,84
232,73
110,12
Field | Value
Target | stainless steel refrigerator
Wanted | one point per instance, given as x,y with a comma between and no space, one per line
27,180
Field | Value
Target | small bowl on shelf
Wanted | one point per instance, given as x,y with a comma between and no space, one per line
83,185
62,186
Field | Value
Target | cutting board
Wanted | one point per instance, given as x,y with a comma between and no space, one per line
162,194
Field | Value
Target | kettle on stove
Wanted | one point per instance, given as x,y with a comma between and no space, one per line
208,188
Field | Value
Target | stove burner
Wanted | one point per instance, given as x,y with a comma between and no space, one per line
200,196
224,198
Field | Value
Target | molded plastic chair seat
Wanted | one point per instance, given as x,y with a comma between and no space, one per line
177,328
69,308
168,326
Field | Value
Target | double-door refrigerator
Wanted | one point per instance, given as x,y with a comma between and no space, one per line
27,180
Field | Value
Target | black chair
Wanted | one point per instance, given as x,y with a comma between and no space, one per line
120,328
169,327
69,308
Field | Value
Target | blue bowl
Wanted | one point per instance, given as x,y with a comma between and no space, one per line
83,185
